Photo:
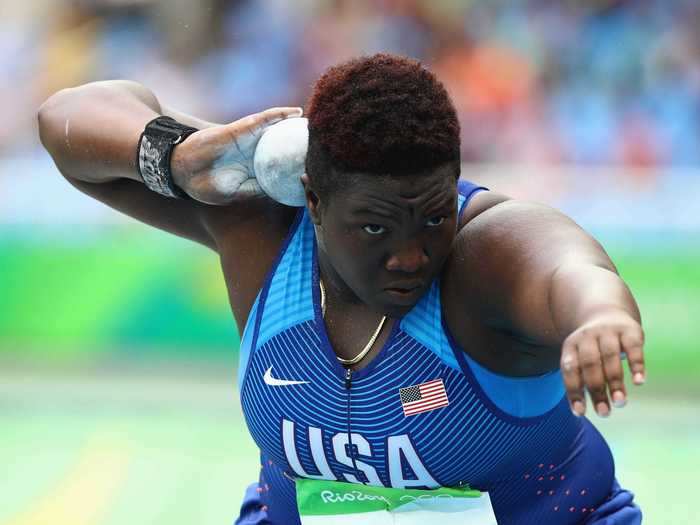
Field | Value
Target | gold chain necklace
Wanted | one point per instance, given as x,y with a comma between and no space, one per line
369,344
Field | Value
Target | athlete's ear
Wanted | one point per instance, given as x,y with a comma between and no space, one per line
313,201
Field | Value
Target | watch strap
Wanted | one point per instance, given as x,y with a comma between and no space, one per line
155,149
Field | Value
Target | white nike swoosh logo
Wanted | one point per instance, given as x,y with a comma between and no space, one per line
273,381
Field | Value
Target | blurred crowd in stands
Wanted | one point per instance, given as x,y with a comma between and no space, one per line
592,82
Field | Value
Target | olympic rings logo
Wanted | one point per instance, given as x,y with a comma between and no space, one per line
425,497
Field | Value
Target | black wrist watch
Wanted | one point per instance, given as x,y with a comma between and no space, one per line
155,148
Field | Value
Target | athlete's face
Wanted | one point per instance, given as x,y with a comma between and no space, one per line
384,239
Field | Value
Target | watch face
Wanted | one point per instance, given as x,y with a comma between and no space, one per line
151,162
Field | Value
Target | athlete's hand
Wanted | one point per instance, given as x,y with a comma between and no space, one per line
215,165
592,359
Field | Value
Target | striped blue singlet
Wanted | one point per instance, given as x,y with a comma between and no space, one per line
515,438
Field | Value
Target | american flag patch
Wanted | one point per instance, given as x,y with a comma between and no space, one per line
424,397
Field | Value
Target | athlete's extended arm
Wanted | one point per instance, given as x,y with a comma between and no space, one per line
92,133
543,280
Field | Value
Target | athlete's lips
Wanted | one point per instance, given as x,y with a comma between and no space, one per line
405,292
404,286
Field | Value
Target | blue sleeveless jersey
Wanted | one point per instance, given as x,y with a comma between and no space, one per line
421,414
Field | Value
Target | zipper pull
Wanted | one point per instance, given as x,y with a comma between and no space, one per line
348,378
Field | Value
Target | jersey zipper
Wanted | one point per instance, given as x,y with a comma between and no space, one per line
348,387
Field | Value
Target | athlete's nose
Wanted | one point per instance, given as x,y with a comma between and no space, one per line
410,259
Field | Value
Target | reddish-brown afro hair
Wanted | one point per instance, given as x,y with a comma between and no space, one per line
383,114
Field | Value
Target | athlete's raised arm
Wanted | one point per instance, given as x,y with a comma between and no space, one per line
92,132
548,289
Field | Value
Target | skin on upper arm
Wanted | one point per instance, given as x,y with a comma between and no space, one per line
497,283
248,237
92,131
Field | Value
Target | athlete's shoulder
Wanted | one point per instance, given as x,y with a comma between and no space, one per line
478,199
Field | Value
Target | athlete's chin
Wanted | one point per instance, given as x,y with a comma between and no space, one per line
396,311
398,307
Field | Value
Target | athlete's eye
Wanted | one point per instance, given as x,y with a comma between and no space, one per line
374,229
436,221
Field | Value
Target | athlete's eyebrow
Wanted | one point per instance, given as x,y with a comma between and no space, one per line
373,211
448,202
374,205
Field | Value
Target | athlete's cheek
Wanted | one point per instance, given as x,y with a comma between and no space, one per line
437,244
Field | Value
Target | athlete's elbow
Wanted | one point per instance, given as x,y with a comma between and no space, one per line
48,116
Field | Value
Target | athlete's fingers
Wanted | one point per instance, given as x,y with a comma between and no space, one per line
245,133
573,382
609,344
593,376
632,340
256,123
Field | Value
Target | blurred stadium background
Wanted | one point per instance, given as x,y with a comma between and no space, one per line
118,352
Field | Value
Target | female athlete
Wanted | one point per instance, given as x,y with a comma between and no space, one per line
405,330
